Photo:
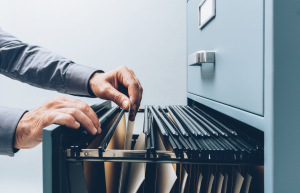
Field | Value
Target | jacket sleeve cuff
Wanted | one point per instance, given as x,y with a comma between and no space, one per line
9,119
77,80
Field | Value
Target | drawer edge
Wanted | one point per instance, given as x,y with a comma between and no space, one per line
241,115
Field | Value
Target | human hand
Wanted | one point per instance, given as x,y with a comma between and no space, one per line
60,110
117,85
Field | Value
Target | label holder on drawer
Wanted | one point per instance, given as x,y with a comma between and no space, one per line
207,11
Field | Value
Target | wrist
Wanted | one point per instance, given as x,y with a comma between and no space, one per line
92,83
21,131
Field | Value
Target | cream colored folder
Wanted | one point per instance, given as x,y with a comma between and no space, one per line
183,181
199,183
246,183
220,180
127,146
137,170
237,182
166,175
224,186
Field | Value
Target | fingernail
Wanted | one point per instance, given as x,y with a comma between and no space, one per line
77,125
95,130
125,104
99,129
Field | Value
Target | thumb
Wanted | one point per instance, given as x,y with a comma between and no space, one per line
119,98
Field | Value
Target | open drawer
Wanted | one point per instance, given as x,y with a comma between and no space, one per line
194,138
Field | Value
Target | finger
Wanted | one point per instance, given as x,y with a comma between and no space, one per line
125,77
81,118
140,90
85,108
58,118
133,74
116,96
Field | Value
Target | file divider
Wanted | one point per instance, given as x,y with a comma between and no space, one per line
153,147
207,125
192,130
182,130
199,126
146,121
161,128
212,120
181,138
108,114
164,122
190,122
110,133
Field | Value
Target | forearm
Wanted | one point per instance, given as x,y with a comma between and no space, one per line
9,119
39,67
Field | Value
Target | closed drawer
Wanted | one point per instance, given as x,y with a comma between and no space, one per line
236,35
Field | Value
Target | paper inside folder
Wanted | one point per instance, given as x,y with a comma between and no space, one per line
127,146
237,182
166,175
137,170
184,178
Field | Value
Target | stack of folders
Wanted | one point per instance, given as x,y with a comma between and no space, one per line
181,149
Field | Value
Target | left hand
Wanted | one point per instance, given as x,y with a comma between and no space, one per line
117,85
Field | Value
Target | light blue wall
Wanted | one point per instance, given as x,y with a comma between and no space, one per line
147,36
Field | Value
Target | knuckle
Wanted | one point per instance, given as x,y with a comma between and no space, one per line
117,97
90,124
73,111
135,84
123,68
61,98
69,119
50,103
83,106
51,116
104,89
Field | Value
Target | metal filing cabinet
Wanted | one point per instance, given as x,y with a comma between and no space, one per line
236,36
243,63
253,74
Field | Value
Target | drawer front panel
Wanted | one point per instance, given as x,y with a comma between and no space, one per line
236,35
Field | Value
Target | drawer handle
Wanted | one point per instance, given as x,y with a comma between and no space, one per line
203,56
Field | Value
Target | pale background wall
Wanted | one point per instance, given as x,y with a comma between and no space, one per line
147,36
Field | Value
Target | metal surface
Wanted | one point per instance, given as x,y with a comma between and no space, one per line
140,156
203,56
234,34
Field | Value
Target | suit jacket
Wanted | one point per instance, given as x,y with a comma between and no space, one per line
38,67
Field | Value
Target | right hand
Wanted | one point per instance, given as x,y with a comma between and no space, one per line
60,110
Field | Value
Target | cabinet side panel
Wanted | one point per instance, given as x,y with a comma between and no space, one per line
286,95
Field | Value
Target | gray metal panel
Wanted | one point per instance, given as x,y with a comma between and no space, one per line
236,34
47,158
76,177
286,131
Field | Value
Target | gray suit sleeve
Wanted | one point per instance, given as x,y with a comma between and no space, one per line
9,119
41,68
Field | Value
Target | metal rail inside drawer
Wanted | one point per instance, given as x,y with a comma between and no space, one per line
194,133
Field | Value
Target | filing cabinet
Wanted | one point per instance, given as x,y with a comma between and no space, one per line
253,76
242,63
236,36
